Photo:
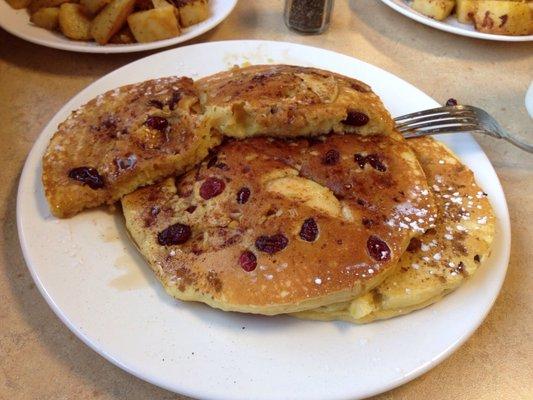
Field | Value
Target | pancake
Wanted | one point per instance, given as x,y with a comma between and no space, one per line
443,258
123,139
139,134
285,100
275,226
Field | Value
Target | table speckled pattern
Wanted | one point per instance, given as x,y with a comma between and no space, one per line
41,359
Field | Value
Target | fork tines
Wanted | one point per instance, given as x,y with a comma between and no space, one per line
438,120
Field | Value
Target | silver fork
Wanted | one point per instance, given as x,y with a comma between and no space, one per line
454,119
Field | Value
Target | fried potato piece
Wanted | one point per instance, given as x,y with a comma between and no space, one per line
38,4
73,22
47,18
504,17
18,4
111,19
124,36
437,9
465,10
151,25
93,7
192,12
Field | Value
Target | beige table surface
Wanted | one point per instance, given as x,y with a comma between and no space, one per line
41,359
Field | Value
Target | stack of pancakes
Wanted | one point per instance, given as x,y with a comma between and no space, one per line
275,190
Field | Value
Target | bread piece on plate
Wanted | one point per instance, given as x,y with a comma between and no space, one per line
443,258
504,17
274,226
286,100
125,138
436,9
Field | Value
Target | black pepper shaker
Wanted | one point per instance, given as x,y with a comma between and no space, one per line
308,16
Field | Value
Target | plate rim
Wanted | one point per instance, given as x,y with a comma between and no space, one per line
443,26
197,392
76,47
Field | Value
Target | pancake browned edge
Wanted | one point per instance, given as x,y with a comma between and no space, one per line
125,138
288,100
275,226
438,262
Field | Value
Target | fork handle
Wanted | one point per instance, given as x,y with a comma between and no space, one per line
518,143
411,134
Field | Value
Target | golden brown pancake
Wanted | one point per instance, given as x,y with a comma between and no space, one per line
123,139
439,261
286,100
274,226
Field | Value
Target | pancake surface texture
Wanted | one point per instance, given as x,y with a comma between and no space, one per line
273,226
439,261
123,139
286,100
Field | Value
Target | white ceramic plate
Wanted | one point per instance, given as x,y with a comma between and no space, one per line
451,24
17,22
93,278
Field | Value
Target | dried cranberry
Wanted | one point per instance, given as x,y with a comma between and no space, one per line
190,209
176,97
212,161
127,162
372,159
309,230
156,122
360,160
451,102
271,244
461,267
331,157
211,187
243,195
375,162
156,104
414,245
174,234
355,118
248,261
367,222
222,166
109,122
87,175
378,249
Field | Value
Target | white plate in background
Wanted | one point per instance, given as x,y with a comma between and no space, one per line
451,24
17,22
101,288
